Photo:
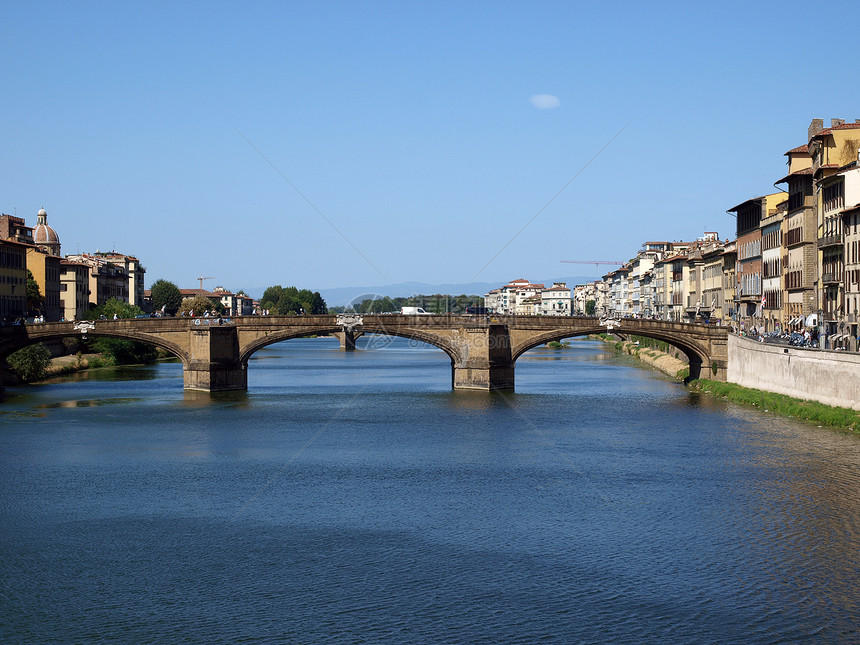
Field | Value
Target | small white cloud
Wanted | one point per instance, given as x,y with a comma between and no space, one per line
545,101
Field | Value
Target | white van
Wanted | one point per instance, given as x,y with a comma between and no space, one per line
413,311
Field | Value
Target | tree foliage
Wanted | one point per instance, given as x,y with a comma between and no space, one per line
112,307
199,305
590,307
167,295
124,352
34,296
116,350
435,304
290,300
30,362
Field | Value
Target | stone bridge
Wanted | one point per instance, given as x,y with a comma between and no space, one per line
483,349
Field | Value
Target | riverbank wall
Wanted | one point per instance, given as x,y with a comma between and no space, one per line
819,375
672,365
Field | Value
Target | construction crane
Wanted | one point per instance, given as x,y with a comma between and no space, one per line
201,278
596,263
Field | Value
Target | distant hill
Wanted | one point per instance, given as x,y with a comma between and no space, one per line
342,296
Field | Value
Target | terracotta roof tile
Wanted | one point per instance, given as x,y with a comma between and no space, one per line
844,126
796,173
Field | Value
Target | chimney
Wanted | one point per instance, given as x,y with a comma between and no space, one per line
815,127
836,122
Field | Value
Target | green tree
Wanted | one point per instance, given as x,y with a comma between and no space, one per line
271,296
124,352
167,295
34,296
590,307
116,350
30,362
114,307
290,300
318,305
286,304
199,304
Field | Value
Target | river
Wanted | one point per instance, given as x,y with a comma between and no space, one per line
354,498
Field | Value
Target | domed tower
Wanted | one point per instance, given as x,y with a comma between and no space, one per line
44,236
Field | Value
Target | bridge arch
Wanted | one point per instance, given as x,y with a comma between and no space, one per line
482,350
249,348
696,355
13,343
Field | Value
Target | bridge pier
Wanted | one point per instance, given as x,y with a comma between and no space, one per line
213,361
347,339
485,362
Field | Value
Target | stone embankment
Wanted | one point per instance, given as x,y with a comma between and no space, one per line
75,363
819,387
672,364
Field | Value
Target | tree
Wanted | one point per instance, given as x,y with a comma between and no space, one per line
166,294
30,362
34,296
114,307
286,304
290,300
590,306
124,352
271,296
115,350
199,304
318,305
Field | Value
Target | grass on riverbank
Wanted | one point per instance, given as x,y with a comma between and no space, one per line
811,411
79,362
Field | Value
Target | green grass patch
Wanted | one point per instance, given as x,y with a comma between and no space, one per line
811,411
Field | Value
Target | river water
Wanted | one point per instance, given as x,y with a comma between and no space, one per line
354,498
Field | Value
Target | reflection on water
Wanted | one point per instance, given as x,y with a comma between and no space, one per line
353,497
87,403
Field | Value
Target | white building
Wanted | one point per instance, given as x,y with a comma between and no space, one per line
582,294
511,299
556,300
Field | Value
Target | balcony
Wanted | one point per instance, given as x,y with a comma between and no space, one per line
831,278
836,239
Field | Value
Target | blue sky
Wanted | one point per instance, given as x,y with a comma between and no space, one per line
327,144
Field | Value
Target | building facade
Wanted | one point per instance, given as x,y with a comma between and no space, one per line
74,289
556,300
45,269
13,280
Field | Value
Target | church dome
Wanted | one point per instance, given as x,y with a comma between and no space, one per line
44,235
